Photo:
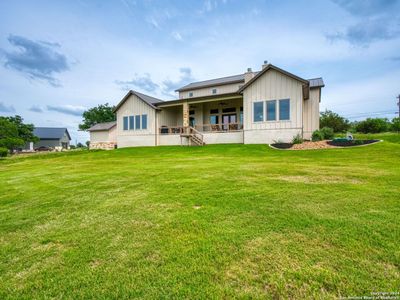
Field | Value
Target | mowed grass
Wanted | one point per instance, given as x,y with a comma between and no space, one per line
220,221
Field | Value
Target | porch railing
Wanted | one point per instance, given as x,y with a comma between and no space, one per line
227,127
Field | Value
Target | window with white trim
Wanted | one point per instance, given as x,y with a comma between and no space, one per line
258,111
284,109
271,110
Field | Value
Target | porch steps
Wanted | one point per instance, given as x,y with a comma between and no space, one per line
195,138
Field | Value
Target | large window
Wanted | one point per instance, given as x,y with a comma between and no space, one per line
144,121
137,122
213,120
284,109
271,110
258,111
131,123
125,123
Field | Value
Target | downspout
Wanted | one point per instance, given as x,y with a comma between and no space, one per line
156,124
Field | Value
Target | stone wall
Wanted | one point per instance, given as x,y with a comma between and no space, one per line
103,145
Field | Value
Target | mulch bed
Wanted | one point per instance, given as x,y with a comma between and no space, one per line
351,143
307,145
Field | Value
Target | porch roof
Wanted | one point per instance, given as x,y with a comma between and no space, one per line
200,99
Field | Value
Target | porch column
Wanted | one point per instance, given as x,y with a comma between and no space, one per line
185,114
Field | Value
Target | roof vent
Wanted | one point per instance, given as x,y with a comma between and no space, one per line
249,70
265,64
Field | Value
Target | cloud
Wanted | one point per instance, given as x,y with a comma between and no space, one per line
376,21
367,7
142,82
67,109
36,59
177,36
169,86
36,108
6,109
368,31
395,58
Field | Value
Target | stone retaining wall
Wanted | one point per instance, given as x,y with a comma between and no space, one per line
103,145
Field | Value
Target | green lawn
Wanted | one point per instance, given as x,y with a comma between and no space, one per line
220,221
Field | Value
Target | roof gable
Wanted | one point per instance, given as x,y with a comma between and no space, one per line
50,133
266,69
151,101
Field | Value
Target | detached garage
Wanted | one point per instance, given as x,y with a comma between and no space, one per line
103,136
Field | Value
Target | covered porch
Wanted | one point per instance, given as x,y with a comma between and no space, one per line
215,120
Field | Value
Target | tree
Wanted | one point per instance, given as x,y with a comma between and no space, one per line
25,131
9,135
80,145
396,124
332,120
99,114
372,125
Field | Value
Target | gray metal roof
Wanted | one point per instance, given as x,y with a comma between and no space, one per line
50,133
316,82
103,126
212,82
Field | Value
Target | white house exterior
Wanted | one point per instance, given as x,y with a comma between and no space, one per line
252,108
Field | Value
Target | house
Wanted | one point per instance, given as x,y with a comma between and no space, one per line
103,136
251,108
51,137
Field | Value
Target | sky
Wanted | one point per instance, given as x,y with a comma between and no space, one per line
58,58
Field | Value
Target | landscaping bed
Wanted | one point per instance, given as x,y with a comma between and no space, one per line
308,145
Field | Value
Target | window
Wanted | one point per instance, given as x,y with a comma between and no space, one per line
214,111
271,110
284,109
214,91
228,110
125,123
258,111
144,121
131,123
190,94
213,120
137,122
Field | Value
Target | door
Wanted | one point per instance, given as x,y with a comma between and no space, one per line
227,119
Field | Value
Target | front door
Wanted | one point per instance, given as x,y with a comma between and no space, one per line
227,119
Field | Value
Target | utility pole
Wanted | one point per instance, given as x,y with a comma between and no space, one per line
398,103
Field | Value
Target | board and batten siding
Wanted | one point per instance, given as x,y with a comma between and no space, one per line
311,113
221,89
130,138
104,136
273,85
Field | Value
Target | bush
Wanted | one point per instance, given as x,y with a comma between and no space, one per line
297,139
327,133
317,135
3,152
373,125
395,124
333,120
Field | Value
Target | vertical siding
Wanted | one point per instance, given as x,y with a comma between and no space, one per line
274,85
221,89
170,116
311,112
135,106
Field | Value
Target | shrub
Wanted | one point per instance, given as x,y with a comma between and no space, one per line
372,125
317,136
395,124
297,139
333,120
3,152
327,133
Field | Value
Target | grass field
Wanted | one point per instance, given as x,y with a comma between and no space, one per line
220,221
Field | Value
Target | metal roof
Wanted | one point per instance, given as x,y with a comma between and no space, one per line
50,133
212,82
103,126
316,82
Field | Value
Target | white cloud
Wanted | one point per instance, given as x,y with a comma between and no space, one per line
177,36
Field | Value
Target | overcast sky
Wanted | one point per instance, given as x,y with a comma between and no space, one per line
61,57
